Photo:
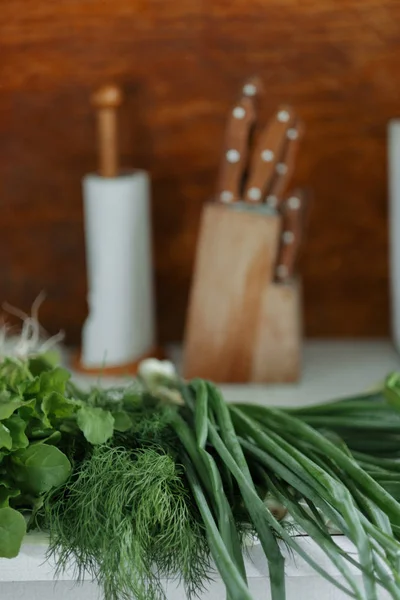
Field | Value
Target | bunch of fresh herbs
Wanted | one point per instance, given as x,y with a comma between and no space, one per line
134,487
39,419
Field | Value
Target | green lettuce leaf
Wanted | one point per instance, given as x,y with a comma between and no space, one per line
27,411
15,374
16,427
7,492
44,362
51,440
53,381
12,531
50,383
39,467
122,421
55,405
8,408
96,424
5,437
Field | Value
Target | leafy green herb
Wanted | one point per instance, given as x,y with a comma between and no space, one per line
16,426
9,406
134,486
40,421
97,424
120,514
12,531
7,491
5,437
38,468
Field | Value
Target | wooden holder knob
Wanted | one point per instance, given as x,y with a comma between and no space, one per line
106,100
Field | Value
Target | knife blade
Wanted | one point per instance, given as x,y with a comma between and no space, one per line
236,147
285,166
293,212
267,151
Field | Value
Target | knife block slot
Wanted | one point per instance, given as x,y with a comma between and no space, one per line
241,326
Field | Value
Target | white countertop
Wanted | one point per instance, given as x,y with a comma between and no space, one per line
331,369
29,577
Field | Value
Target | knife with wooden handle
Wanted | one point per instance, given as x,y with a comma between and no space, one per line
291,236
237,142
285,166
253,87
266,155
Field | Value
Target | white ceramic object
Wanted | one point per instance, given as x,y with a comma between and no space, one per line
120,325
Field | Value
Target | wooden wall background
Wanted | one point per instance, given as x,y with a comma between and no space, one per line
181,63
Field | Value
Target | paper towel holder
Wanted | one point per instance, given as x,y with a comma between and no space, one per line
106,100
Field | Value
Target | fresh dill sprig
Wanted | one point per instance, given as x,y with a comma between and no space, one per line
127,518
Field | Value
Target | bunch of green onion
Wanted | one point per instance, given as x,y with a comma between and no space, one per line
255,450
335,465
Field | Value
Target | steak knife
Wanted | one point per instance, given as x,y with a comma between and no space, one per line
293,212
236,146
267,151
285,166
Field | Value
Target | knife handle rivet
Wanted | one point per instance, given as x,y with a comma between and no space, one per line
283,116
267,155
288,237
272,201
281,168
254,193
292,134
282,271
226,196
233,156
293,203
239,112
249,89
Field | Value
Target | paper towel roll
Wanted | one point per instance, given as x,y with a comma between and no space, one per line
394,225
120,325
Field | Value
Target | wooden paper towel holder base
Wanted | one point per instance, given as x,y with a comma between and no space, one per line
130,368
242,327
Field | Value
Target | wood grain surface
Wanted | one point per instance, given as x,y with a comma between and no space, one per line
181,65
226,312
278,347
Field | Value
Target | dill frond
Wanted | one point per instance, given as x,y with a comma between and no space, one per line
126,518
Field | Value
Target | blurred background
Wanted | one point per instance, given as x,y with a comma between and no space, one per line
180,64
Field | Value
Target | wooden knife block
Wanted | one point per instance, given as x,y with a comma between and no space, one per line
241,326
